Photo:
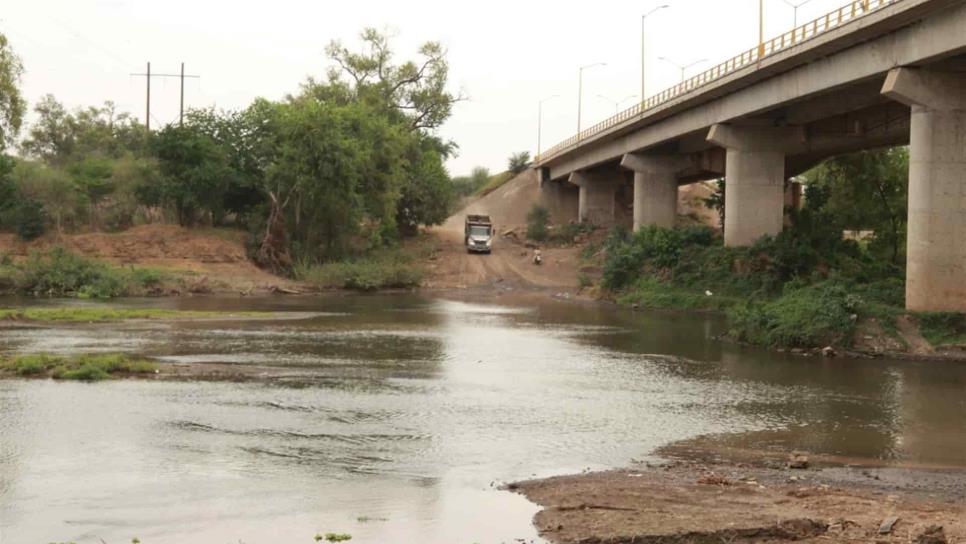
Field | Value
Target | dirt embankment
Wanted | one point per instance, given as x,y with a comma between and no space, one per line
215,258
713,502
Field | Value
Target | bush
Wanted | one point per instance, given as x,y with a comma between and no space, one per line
518,162
538,221
59,272
654,248
30,219
387,270
811,316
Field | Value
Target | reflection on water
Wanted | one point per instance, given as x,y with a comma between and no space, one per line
408,411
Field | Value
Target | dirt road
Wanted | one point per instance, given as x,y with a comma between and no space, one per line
510,263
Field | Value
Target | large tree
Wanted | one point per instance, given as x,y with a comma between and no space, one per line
867,191
416,89
12,105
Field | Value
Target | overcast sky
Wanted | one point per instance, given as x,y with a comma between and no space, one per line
504,55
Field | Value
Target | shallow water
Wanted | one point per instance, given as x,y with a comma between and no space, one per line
398,416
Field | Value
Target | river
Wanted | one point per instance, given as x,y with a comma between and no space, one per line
397,417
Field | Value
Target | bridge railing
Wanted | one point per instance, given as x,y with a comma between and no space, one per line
850,12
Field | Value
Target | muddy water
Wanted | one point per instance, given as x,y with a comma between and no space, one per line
395,417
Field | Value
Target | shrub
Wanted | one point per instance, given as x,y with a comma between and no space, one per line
518,162
652,247
60,272
386,270
811,316
538,220
30,219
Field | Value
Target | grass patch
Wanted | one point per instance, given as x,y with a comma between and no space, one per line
943,329
495,183
653,293
388,269
83,315
91,367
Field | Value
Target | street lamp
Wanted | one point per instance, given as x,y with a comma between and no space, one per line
540,120
681,67
644,47
580,90
617,103
795,7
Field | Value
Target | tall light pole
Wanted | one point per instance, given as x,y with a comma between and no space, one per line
644,49
580,90
540,121
795,7
617,103
682,67
761,29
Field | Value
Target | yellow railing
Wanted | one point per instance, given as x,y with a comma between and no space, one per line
850,12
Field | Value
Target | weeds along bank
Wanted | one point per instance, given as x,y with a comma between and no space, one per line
801,289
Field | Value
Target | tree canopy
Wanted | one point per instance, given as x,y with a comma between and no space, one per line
12,105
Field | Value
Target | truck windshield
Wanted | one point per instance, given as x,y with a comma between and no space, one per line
479,231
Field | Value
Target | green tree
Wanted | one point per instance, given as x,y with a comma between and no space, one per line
518,162
193,172
60,137
417,90
37,182
12,105
866,191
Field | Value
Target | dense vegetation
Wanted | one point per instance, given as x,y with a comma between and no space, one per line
349,164
806,287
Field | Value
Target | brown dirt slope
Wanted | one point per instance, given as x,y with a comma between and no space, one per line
216,253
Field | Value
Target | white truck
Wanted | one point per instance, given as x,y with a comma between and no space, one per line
479,234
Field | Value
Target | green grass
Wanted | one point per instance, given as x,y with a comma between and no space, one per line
495,183
91,367
87,314
389,269
649,292
943,329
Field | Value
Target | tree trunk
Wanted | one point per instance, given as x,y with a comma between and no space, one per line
274,252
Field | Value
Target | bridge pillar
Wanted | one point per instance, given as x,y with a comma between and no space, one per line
755,179
935,253
655,188
596,202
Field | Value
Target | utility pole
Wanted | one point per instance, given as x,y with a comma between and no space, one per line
795,7
148,75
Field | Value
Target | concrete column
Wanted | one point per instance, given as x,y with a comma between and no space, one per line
596,200
655,188
755,179
936,239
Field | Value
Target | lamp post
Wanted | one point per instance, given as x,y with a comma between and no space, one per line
580,91
761,29
683,67
617,103
540,121
644,49
795,7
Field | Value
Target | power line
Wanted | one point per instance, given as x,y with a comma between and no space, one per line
147,76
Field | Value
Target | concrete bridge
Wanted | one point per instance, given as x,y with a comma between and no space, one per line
874,73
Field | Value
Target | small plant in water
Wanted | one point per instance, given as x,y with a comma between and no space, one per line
337,537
